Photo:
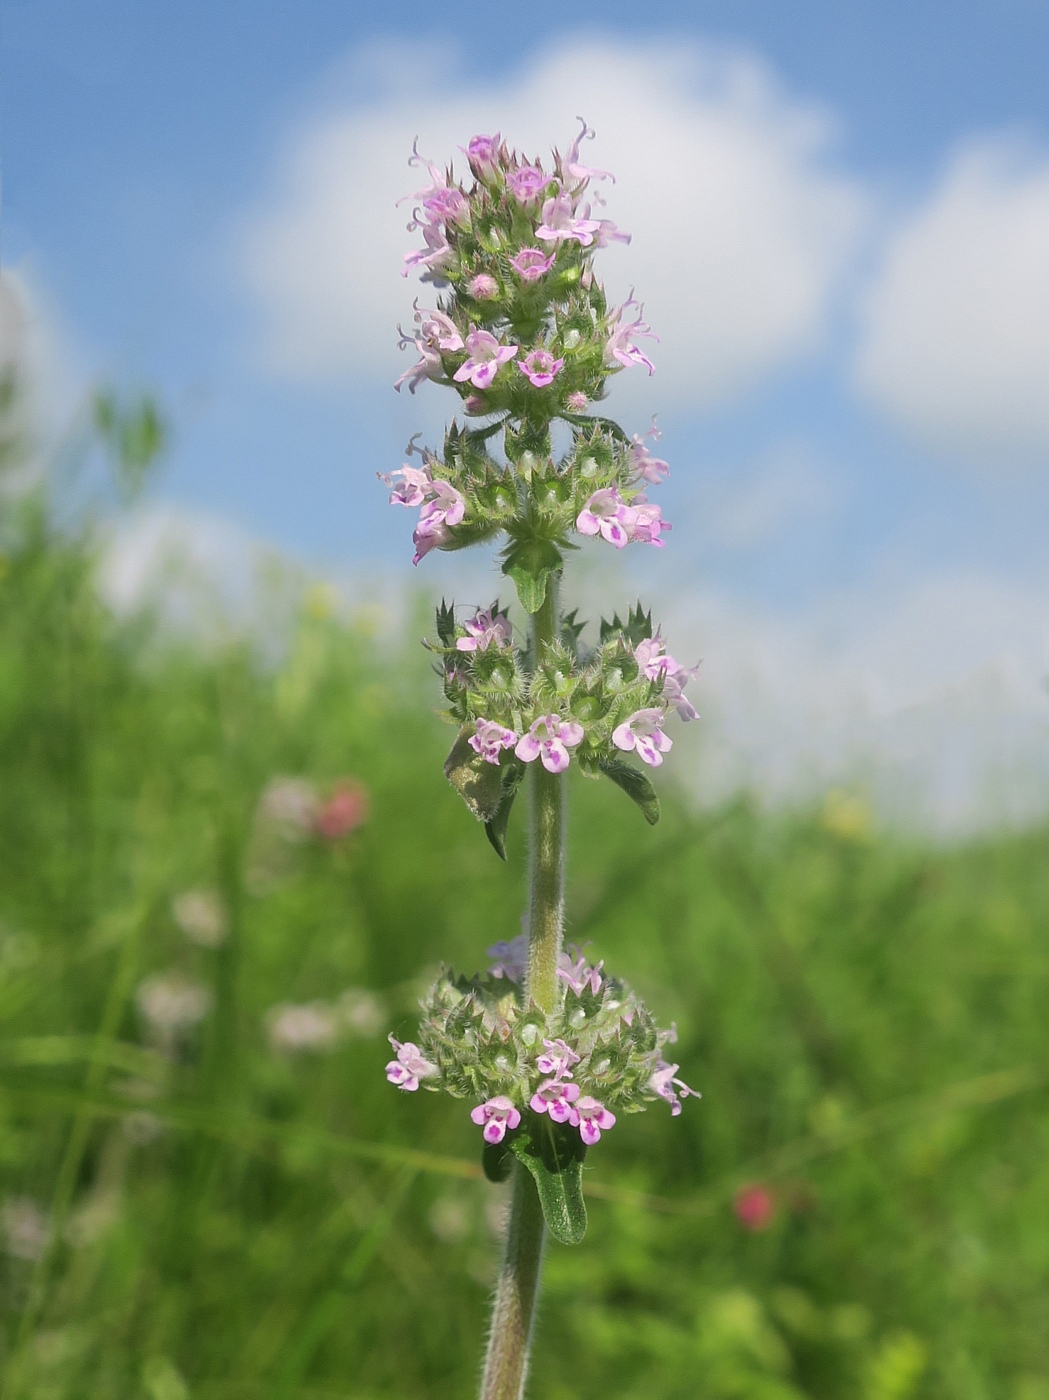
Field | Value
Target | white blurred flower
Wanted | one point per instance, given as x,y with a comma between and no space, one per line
171,1003
313,1027
201,916
26,1228
362,1012
292,805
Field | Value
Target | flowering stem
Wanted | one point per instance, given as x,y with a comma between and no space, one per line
513,1311
546,910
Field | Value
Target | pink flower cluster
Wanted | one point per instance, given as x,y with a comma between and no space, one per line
655,661
608,515
559,1097
441,505
409,1067
549,738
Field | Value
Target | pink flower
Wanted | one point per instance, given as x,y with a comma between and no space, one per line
560,223
530,264
435,257
484,629
550,738
483,287
415,482
655,662
345,810
555,1098
539,368
484,153
410,1066
438,331
558,1060
662,1083
579,974
444,506
527,183
754,1207
485,356
489,738
620,348
511,959
591,1118
446,204
577,402
648,468
604,514
570,165
428,366
496,1116
644,522
643,731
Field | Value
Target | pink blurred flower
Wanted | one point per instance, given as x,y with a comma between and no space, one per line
754,1207
532,263
483,287
344,811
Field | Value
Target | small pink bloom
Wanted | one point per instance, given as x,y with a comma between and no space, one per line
643,731
496,1116
409,1067
444,506
415,482
531,263
604,514
558,1060
428,366
643,523
620,348
540,367
475,403
345,810
435,257
555,1098
570,165
511,958
445,205
485,154
754,1207
560,223
655,662
550,738
663,1082
485,357
579,974
438,331
483,287
489,738
591,1118
527,183
648,468
577,402
483,630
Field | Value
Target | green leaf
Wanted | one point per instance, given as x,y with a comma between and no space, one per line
636,786
530,563
495,829
446,624
478,782
554,1153
587,420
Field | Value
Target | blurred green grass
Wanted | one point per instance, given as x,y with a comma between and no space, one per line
199,1213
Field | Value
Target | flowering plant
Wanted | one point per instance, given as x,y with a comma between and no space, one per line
548,1048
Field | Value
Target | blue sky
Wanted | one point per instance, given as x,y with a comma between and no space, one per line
878,444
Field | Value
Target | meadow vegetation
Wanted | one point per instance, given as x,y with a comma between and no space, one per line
222,867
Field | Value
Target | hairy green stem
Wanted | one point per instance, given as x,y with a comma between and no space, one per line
513,1311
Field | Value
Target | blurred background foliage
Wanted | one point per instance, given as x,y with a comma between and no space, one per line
224,870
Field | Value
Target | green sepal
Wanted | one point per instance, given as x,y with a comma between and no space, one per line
478,782
497,1159
589,420
636,786
554,1153
495,829
530,563
446,624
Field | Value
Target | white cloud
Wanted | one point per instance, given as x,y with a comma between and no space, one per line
930,695
741,228
956,336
